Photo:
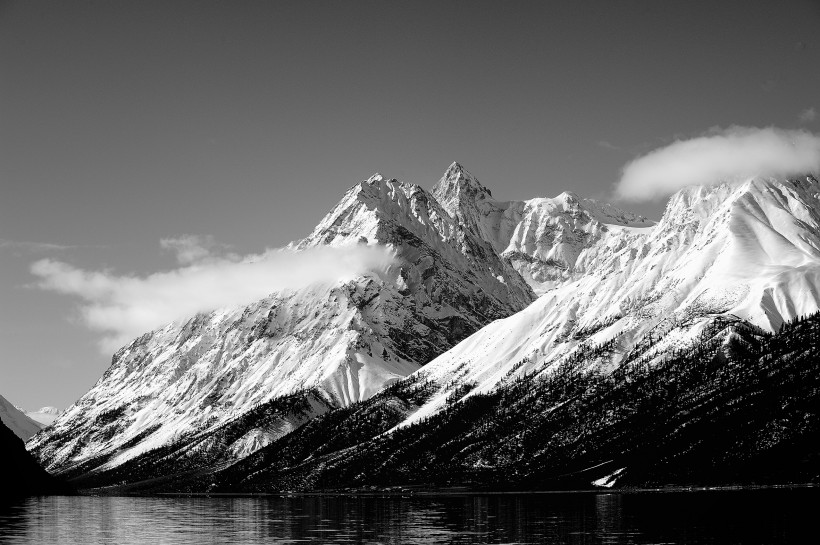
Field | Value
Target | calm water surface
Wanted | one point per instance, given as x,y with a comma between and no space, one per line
725,517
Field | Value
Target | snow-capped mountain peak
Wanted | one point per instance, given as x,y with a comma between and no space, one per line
458,190
341,342
44,415
569,197
547,240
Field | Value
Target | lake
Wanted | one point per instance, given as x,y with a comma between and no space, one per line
725,517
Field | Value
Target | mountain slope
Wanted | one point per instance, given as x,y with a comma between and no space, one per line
15,420
740,407
750,251
332,344
655,367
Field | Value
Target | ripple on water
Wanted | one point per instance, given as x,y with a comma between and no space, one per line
705,517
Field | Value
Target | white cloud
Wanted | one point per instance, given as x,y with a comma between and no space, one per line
721,155
808,115
122,307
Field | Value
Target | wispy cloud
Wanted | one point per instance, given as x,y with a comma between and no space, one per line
720,155
606,144
122,307
808,115
26,246
191,249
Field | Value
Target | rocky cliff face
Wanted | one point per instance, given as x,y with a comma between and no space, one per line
547,240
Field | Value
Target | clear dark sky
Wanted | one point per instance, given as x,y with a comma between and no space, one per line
122,123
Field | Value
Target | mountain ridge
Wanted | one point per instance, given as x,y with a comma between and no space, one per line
460,299
667,284
546,240
345,340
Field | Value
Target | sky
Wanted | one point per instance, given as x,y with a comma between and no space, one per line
231,128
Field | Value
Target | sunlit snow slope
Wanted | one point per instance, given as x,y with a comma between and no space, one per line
751,251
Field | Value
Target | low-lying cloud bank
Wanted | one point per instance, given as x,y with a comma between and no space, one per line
721,155
123,307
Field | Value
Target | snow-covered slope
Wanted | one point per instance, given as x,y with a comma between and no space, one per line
44,415
342,340
750,251
22,426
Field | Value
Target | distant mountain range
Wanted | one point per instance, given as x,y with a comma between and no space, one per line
44,415
24,423
558,342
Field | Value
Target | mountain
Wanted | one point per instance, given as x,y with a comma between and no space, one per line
22,475
741,407
547,240
44,415
419,372
687,355
749,251
21,425
223,384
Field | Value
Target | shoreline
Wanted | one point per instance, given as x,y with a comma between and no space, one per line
465,492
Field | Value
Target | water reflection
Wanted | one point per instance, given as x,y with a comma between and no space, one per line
762,516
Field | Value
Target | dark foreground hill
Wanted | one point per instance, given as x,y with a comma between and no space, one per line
22,475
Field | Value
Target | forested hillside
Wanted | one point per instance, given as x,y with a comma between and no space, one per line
740,406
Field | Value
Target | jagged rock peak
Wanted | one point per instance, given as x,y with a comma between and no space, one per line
458,187
569,197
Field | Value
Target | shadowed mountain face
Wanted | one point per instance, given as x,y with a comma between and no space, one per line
325,386
22,475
